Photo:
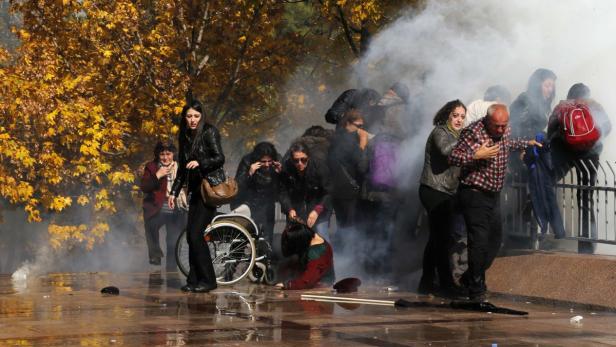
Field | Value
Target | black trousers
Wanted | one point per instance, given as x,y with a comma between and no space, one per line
586,165
439,206
586,171
199,216
174,224
265,218
345,210
481,212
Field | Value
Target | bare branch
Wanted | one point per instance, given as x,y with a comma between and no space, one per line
202,64
116,154
183,25
205,18
347,31
226,91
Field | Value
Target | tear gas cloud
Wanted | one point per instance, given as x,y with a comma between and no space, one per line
122,250
456,49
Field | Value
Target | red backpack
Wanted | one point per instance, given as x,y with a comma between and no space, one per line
577,125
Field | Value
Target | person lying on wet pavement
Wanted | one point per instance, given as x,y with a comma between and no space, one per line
313,258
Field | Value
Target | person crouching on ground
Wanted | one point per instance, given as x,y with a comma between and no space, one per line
315,257
304,189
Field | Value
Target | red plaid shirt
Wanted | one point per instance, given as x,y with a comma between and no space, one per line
485,174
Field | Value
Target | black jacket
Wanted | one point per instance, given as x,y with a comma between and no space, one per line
207,151
259,190
344,159
529,115
317,145
351,98
304,192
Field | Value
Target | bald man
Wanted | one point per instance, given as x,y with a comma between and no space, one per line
482,152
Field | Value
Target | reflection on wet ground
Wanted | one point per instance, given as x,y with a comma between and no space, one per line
68,309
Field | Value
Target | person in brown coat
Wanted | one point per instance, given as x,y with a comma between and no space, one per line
158,175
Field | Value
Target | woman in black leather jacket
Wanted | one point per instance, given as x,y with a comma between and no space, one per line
439,182
344,162
304,189
200,156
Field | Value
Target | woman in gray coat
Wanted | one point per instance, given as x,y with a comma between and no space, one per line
438,184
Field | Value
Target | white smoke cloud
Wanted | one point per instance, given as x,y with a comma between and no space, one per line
456,49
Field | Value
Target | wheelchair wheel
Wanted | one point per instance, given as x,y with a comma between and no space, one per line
232,249
181,253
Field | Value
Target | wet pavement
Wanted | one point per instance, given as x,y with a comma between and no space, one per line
68,309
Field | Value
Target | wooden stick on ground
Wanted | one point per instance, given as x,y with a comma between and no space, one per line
459,305
347,299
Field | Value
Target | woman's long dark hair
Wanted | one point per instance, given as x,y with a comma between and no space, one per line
296,239
442,115
263,149
184,130
534,86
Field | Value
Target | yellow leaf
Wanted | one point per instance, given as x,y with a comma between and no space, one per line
83,200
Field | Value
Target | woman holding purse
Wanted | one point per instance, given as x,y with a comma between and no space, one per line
200,157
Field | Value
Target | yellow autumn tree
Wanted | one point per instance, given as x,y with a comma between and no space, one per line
91,85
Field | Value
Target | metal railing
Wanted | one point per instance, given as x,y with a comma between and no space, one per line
586,197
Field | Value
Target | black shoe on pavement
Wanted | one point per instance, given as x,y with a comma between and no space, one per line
187,288
203,288
454,293
155,261
425,288
478,297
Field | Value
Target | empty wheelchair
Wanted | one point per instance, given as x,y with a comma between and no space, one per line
237,249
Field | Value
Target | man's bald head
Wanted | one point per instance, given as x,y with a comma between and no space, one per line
497,120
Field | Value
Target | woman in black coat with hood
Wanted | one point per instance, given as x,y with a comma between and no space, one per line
531,110
529,115
200,156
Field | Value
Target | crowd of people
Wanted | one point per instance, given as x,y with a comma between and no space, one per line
351,172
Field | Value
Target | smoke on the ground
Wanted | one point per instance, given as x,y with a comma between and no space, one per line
122,250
